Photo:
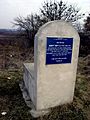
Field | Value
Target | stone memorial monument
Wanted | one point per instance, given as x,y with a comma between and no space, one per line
50,80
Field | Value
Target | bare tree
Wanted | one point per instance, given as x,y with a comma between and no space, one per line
49,11
60,10
29,25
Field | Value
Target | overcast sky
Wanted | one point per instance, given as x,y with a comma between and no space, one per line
10,9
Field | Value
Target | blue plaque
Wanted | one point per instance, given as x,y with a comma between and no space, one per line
59,50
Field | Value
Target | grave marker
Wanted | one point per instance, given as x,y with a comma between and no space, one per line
50,80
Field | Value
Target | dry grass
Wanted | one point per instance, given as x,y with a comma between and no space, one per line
11,99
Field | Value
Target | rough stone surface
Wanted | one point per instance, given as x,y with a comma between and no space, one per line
51,85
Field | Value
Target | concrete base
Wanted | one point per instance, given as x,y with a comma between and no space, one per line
39,113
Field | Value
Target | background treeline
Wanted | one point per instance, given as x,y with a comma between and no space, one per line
85,37
50,11
84,44
28,26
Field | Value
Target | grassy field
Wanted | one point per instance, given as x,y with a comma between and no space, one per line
12,102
